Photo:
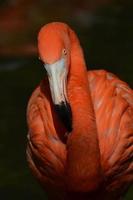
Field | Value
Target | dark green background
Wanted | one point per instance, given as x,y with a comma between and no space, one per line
107,43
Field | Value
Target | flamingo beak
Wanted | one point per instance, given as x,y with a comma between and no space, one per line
57,75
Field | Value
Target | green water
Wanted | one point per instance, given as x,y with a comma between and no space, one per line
16,181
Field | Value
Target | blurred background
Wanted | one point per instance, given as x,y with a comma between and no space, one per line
105,29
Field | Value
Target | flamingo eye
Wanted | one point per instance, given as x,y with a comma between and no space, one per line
64,52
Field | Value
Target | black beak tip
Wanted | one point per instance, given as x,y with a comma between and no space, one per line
64,111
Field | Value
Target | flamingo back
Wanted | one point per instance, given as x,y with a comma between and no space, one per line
113,105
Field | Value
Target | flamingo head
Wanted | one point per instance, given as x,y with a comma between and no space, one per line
54,51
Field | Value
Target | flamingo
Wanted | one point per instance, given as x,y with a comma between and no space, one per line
80,138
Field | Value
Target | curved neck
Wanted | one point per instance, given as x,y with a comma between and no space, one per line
78,87
83,161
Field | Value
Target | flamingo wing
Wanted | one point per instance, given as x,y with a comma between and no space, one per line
113,106
46,153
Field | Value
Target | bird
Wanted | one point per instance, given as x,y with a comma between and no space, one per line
80,123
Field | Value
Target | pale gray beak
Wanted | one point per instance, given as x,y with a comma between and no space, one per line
57,75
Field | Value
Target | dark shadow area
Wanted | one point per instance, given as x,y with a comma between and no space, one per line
11,193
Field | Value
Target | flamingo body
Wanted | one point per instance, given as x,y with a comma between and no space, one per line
94,161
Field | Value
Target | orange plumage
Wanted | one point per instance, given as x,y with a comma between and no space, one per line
91,157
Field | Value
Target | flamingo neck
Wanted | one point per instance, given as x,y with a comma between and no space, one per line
78,88
83,161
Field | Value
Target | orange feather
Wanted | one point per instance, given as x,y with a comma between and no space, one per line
95,160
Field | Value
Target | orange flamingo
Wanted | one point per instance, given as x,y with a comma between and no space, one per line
80,140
